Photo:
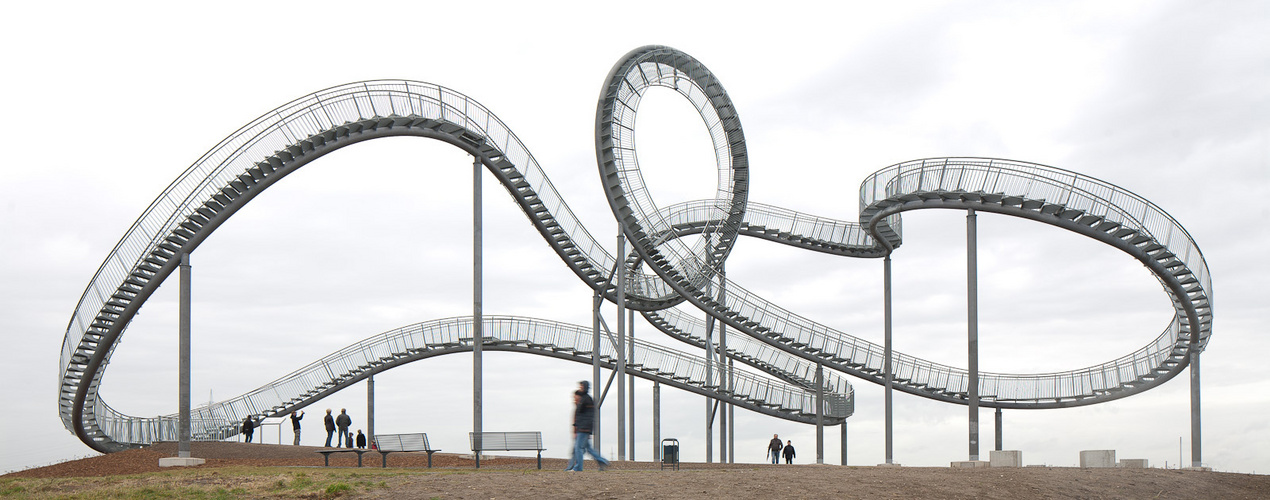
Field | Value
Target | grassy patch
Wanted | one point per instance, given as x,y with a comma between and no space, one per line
215,483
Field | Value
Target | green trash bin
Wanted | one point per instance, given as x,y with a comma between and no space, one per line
670,453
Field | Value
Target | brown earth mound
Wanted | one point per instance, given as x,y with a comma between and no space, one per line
453,477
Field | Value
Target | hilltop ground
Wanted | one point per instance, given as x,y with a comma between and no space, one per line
278,469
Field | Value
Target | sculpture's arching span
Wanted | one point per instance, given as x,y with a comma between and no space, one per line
785,344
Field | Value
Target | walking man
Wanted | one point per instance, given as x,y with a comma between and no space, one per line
774,448
583,421
343,421
789,452
248,428
295,425
329,421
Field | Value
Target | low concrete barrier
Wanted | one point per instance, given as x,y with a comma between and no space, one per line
1098,458
1006,458
1133,463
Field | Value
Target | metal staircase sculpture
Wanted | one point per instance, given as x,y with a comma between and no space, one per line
267,149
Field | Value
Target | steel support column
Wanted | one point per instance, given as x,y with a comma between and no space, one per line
972,330
370,408
621,346
478,336
999,431
630,381
1196,455
596,302
844,441
724,379
657,421
183,353
887,377
820,413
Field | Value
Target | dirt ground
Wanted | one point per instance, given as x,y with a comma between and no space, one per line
454,476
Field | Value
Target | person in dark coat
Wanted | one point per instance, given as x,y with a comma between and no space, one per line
330,427
583,422
789,452
248,428
295,425
361,439
774,449
343,421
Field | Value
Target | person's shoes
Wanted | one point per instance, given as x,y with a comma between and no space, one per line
604,466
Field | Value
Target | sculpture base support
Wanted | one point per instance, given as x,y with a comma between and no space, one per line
180,462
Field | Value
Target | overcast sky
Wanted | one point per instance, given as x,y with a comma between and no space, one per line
109,103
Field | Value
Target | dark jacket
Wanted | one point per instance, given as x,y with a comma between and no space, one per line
361,440
295,421
789,451
330,422
248,425
584,414
343,421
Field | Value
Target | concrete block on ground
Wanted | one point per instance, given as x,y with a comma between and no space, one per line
964,464
1133,463
180,462
1098,458
1005,458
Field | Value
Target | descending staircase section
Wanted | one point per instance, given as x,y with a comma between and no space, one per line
797,371
1078,203
793,401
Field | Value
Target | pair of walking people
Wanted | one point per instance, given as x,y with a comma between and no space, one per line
775,449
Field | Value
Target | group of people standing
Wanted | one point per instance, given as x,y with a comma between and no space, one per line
775,450
344,438
341,423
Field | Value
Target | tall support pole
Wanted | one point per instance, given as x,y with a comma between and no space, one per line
724,421
999,431
657,421
886,355
630,379
621,346
710,402
596,302
820,413
370,406
844,441
183,352
1196,455
972,329
478,336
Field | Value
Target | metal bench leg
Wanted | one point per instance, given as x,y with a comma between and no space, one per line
430,459
477,454
384,455
359,459
539,459
326,460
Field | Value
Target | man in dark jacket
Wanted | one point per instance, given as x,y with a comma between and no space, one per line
295,425
343,421
329,421
248,428
774,449
789,452
583,423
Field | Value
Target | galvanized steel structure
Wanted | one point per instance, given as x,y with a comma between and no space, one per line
678,255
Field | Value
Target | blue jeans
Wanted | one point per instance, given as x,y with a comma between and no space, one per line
582,446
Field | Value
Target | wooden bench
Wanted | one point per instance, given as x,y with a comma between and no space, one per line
388,443
326,455
506,441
